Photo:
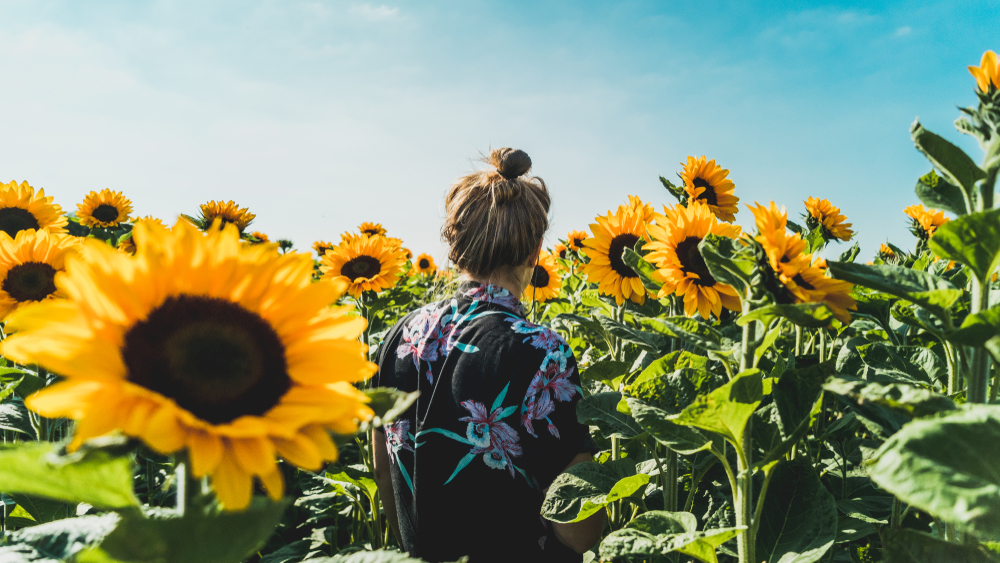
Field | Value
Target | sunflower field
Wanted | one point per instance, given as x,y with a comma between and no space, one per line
196,393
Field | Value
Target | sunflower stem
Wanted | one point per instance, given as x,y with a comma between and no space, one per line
181,476
798,340
743,490
977,380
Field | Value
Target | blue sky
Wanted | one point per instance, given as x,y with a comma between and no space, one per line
319,115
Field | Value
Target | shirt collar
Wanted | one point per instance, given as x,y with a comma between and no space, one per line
489,293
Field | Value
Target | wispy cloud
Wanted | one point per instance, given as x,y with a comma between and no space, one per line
905,30
372,12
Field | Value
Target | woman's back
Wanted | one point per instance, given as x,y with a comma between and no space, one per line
494,424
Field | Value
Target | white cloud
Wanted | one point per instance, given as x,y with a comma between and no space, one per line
905,30
368,11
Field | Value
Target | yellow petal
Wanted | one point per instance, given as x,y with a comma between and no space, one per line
256,455
205,451
273,483
299,451
232,484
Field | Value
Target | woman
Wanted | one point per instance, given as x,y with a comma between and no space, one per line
464,470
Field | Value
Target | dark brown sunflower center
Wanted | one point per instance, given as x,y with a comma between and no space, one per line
709,194
14,220
615,250
31,281
361,267
212,357
370,232
540,277
798,279
692,261
578,242
105,213
424,264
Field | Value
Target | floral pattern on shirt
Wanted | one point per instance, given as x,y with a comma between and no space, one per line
396,436
540,337
490,293
551,383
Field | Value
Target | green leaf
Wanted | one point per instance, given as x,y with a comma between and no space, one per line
586,488
726,410
377,556
978,329
672,391
850,254
59,540
934,293
94,476
650,341
361,479
910,546
43,510
727,261
796,392
973,240
658,533
601,410
689,331
937,193
676,191
645,270
956,166
14,418
388,403
30,383
605,371
799,517
808,315
899,397
946,466
227,537
681,439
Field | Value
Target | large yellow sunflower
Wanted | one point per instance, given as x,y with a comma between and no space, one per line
365,264
424,265
127,245
545,281
674,252
575,240
612,234
706,181
200,343
925,221
803,278
372,229
28,267
228,213
987,74
821,212
645,209
104,209
21,208
322,247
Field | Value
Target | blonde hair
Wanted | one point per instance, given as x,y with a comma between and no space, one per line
495,219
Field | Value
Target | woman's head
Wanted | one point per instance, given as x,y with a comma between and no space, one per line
496,218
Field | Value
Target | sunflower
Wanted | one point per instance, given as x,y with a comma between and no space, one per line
545,282
407,254
22,208
925,221
674,252
28,267
322,247
803,279
885,252
987,74
612,235
575,240
229,213
708,182
261,237
372,229
561,251
104,209
365,264
424,265
200,343
127,245
646,209
822,213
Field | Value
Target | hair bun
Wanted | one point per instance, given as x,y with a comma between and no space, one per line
510,163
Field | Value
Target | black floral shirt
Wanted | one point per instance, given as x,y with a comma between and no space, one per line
494,424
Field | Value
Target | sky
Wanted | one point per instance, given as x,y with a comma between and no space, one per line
318,115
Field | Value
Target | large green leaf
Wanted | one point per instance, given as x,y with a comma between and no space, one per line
973,240
672,382
605,371
906,399
226,537
601,410
42,510
378,556
690,331
59,540
951,161
645,270
937,193
932,292
651,341
585,488
657,533
681,439
799,518
96,477
910,546
947,466
726,410
727,261
978,329
809,315
795,393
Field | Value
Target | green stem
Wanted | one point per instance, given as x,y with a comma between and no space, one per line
183,494
798,340
977,380
897,513
760,501
954,369
822,344
743,493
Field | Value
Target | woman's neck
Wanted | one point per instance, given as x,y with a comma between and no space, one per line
512,282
